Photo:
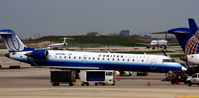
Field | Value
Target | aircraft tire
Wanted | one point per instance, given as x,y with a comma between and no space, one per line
87,84
189,83
96,84
165,47
70,84
173,81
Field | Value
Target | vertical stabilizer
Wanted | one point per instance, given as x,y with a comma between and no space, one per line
188,37
13,43
192,25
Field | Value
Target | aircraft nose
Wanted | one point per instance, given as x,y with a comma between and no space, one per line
7,55
183,68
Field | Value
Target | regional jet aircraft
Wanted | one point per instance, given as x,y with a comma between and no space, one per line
85,60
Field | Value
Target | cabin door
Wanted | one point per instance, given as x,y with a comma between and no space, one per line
153,63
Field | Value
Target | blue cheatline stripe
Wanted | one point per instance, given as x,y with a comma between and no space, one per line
104,65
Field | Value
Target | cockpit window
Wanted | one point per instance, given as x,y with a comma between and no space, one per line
169,60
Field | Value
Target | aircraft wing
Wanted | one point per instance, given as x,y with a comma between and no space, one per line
71,68
164,32
141,43
173,44
173,31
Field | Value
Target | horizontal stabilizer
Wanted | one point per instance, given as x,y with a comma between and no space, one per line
164,32
5,33
179,30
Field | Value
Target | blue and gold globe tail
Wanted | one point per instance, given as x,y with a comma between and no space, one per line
188,38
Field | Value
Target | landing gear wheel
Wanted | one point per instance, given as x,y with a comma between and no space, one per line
189,83
96,84
70,84
55,84
82,84
165,47
173,81
87,84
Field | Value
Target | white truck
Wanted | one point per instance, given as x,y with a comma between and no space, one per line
104,77
194,79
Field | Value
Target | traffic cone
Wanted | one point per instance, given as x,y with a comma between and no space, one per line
118,78
149,83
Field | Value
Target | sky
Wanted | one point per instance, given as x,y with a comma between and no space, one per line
33,18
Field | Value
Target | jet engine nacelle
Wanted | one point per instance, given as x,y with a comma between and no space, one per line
38,54
184,58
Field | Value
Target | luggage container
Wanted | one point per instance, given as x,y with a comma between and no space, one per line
62,76
104,77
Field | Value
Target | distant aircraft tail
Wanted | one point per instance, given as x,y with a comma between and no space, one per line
188,37
13,43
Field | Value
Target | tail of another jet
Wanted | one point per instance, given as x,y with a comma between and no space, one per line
13,43
188,38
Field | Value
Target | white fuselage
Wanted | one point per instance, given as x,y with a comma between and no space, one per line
193,58
158,43
105,61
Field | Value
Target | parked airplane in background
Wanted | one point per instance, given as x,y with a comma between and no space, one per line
59,45
188,38
85,60
162,43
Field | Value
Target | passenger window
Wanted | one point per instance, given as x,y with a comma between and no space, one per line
64,56
79,57
74,57
93,58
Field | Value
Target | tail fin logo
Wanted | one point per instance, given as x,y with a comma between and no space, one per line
12,43
192,44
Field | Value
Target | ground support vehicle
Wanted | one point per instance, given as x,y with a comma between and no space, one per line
104,77
177,77
194,79
62,76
